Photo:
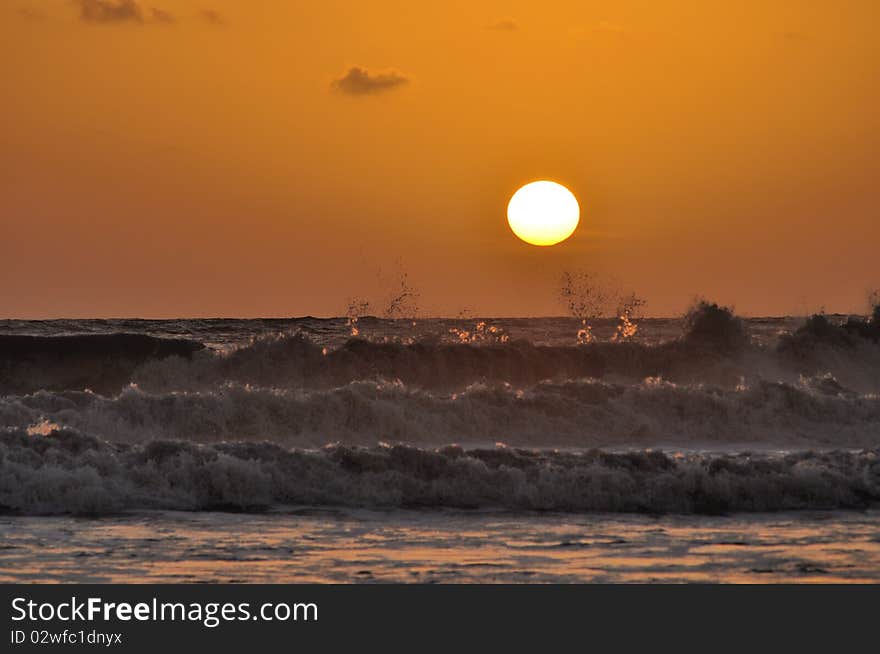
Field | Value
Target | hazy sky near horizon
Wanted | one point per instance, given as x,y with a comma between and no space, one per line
167,158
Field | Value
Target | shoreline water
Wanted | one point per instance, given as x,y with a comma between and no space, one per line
300,545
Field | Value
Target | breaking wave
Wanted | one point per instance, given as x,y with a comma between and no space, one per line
293,361
68,472
105,422
814,412
714,347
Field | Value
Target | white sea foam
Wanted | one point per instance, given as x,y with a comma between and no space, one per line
68,472
816,412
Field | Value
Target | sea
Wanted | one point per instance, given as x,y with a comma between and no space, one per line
707,448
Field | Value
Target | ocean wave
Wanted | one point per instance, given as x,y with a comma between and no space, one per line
715,349
69,472
102,362
293,361
815,411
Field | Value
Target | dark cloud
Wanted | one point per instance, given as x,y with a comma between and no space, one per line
360,81
212,16
504,25
109,11
121,11
162,16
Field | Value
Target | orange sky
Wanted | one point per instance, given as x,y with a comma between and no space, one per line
222,158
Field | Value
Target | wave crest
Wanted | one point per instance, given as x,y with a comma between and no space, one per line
68,472
815,411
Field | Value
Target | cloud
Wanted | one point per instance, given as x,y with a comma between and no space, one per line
212,16
121,11
796,36
31,14
612,29
162,16
504,25
360,81
109,11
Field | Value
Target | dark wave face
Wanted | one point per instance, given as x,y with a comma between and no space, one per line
103,362
86,417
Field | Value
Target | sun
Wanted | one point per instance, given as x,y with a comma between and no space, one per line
543,213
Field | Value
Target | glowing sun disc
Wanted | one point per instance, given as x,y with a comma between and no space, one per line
543,213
